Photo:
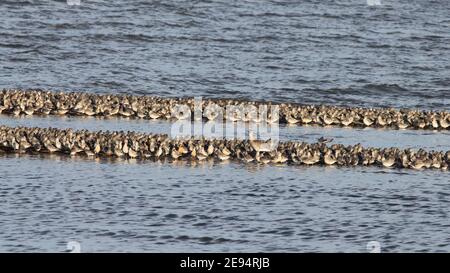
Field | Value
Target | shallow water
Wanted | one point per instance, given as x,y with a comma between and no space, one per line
334,52
133,206
339,52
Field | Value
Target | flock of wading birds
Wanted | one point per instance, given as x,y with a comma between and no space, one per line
158,146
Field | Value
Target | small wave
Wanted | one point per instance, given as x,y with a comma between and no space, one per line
13,45
384,87
19,2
